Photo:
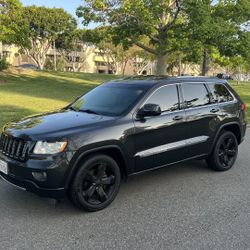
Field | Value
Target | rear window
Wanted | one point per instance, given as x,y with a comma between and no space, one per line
195,95
220,93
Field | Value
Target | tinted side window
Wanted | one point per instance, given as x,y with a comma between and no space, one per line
195,95
220,93
166,97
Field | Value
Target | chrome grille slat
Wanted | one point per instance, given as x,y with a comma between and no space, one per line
5,145
13,147
9,145
19,148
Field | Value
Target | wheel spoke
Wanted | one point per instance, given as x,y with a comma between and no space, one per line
90,177
221,155
226,159
229,142
231,152
224,144
90,191
101,170
101,193
108,180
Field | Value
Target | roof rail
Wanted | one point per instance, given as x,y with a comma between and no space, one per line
146,77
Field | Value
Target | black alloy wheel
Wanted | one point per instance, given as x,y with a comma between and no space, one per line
96,183
225,152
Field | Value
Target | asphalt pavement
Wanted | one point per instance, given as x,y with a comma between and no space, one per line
185,206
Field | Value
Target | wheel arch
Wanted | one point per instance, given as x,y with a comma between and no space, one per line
233,127
114,151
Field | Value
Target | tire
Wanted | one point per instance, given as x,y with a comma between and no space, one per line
96,183
224,153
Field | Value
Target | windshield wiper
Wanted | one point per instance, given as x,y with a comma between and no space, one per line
89,111
73,108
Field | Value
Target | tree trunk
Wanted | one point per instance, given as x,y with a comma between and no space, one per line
40,65
55,62
179,65
161,64
124,67
205,63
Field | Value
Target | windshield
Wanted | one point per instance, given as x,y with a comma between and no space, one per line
109,99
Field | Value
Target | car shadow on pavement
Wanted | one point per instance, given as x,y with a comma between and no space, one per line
161,180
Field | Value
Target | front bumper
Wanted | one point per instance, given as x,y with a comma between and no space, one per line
34,188
20,175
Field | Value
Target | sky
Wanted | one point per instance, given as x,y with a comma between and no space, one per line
69,5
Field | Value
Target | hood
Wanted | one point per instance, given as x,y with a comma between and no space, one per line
55,124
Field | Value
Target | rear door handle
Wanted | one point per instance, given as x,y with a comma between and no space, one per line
178,118
214,110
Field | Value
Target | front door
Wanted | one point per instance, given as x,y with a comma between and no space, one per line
160,140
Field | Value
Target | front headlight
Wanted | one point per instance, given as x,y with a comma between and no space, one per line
43,147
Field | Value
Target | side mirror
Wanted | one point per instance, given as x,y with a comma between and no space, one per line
149,110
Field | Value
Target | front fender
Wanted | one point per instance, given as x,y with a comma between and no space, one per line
94,148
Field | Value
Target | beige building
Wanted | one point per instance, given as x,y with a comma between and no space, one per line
12,55
91,60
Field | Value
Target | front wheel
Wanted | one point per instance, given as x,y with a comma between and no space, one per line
96,183
224,153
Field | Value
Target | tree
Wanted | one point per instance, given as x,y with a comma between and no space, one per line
215,24
9,30
161,27
151,24
100,38
38,28
140,60
116,56
71,46
42,27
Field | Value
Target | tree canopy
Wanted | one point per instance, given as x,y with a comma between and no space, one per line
168,31
9,10
161,27
33,28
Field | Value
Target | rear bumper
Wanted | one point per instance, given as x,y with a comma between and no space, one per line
30,186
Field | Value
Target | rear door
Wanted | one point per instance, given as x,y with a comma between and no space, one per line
160,140
201,118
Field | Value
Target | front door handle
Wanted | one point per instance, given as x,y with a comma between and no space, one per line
214,110
178,118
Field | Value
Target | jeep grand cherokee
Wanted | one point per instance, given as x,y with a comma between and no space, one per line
119,129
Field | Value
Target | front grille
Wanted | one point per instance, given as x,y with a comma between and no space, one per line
14,148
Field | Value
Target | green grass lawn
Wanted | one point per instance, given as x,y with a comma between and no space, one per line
30,92
243,89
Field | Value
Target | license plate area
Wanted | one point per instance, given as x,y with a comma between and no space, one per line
3,167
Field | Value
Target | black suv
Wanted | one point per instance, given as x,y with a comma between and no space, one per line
119,129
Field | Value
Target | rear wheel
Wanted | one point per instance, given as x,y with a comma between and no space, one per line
96,183
224,153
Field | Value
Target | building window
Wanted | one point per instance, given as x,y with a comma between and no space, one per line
99,53
6,54
97,63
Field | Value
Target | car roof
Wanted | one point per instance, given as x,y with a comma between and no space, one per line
152,80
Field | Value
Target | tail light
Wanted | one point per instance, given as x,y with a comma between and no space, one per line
244,107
